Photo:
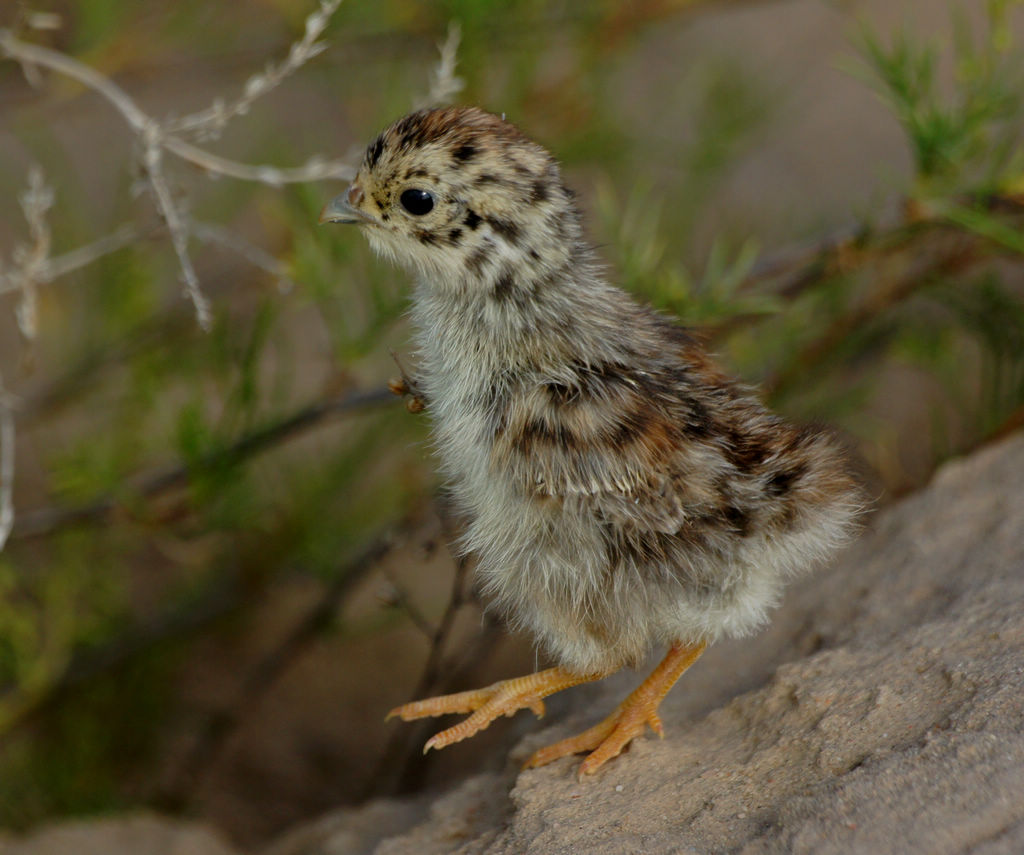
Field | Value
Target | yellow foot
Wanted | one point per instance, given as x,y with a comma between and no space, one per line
607,738
504,698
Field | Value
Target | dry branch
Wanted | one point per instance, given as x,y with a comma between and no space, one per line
45,521
210,123
156,138
216,733
402,761
75,259
444,85
6,463
178,623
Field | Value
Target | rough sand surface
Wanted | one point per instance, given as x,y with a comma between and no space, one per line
882,712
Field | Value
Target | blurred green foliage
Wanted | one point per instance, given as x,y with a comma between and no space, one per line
966,138
133,389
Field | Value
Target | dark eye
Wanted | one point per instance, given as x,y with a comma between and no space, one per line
417,202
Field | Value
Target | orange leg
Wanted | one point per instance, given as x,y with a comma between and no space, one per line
607,738
503,698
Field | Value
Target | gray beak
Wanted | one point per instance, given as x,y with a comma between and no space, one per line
338,210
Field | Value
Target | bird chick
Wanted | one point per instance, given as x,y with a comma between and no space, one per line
621,492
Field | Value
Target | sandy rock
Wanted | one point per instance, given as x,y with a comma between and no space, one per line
881,712
134,835
351,830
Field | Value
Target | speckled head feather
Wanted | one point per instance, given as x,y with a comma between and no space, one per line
488,184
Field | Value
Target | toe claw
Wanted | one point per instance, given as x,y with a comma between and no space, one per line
401,712
486,705
588,768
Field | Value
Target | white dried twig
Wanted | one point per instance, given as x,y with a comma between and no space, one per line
210,123
444,85
38,21
6,463
129,233
75,259
43,21
23,52
175,219
157,138
314,169
213,234
30,260
83,256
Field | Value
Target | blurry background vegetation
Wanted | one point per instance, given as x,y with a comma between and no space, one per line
226,563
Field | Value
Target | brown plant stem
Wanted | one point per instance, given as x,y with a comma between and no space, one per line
38,523
402,763
953,256
215,735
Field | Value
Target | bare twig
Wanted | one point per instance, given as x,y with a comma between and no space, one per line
402,762
210,123
43,522
129,233
61,265
176,224
83,256
213,234
444,85
178,623
314,169
157,138
402,600
140,122
36,55
955,253
32,264
6,463
31,260
215,735
456,599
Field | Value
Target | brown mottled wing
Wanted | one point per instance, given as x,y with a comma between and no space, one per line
636,448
